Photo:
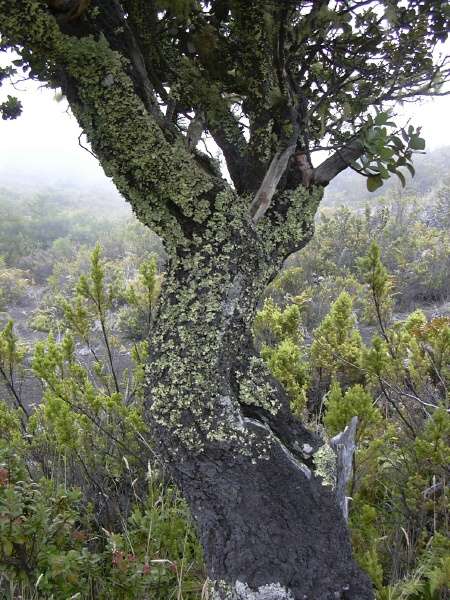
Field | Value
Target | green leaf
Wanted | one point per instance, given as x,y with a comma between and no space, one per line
383,171
374,182
381,118
411,169
417,143
397,142
401,177
386,153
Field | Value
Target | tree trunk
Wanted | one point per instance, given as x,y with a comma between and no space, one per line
269,528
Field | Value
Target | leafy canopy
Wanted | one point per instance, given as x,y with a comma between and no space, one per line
261,75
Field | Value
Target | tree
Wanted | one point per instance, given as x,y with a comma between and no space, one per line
337,344
281,348
271,82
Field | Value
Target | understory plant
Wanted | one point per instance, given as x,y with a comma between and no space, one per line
82,515
397,384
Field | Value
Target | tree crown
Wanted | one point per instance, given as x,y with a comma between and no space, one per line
270,81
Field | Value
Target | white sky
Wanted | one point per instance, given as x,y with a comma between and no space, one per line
42,144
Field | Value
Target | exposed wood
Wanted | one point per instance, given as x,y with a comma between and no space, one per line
344,446
275,172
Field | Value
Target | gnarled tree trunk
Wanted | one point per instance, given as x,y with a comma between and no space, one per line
269,528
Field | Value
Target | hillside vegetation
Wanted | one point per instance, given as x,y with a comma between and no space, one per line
357,324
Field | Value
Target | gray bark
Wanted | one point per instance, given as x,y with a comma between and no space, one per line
344,446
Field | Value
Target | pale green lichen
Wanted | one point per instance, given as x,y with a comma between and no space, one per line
256,390
201,408
217,281
296,227
264,139
325,463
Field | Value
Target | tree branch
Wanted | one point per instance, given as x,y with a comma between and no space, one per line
228,136
337,162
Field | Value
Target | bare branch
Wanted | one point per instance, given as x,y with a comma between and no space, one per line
337,162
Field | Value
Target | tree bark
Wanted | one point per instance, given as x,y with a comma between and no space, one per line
269,528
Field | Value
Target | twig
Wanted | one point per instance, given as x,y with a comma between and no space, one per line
84,147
